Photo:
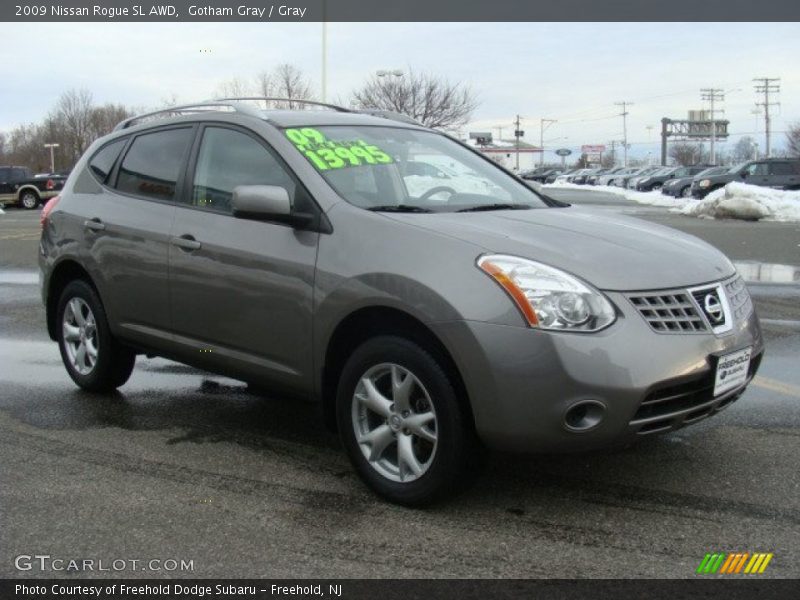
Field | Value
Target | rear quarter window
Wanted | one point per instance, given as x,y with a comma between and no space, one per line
153,163
105,158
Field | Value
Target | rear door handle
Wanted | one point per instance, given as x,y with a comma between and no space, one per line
94,224
186,242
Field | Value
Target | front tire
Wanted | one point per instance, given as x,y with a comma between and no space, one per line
29,199
401,422
686,192
94,360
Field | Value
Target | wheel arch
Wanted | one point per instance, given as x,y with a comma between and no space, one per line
31,188
368,322
63,273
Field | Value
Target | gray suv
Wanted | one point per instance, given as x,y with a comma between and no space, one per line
780,173
429,316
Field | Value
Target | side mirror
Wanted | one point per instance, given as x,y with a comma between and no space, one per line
266,203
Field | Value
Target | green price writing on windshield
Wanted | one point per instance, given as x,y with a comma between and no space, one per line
327,154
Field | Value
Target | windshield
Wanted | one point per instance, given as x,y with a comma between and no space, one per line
388,168
739,167
712,171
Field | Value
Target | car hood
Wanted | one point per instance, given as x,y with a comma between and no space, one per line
610,252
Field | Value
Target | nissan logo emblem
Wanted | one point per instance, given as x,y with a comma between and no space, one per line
713,307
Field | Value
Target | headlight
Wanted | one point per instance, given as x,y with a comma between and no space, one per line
704,183
547,297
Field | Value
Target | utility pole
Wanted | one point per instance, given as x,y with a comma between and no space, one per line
712,95
613,153
624,115
52,157
499,132
518,133
543,125
767,86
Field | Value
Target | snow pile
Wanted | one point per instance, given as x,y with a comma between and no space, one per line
2,211
734,201
655,198
750,202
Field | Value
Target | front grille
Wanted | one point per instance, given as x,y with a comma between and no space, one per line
714,307
671,312
739,298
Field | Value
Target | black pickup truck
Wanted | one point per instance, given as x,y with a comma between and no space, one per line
19,186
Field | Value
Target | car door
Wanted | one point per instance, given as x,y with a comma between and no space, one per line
757,173
241,290
126,227
6,190
782,175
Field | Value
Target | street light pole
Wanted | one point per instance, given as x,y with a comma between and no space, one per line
543,125
52,156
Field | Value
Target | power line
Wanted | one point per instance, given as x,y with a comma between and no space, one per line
767,86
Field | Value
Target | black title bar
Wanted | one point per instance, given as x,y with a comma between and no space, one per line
401,10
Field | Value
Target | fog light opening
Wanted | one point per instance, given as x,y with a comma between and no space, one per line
584,416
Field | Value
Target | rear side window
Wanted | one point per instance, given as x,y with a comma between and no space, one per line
103,160
781,168
153,163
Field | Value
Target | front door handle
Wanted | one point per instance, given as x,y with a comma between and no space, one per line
186,242
94,224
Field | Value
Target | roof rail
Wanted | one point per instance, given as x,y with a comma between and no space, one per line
290,100
196,107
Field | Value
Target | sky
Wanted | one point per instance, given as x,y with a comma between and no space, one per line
571,72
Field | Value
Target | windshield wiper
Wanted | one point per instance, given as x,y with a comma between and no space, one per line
405,208
483,207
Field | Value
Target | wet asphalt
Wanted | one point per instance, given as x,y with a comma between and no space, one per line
188,466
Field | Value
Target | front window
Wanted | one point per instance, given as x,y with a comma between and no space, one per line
389,168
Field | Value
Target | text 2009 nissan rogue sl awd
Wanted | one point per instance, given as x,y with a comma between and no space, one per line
429,314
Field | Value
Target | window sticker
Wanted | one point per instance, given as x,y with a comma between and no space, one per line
327,154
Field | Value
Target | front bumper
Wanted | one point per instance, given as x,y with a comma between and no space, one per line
521,381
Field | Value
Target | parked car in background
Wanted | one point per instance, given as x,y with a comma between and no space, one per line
544,174
580,178
682,186
621,178
592,179
641,174
656,180
19,186
532,174
780,173
560,177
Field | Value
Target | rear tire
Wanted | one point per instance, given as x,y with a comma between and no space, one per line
29,199
94,359
401,422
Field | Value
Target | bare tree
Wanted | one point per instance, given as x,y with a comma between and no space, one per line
793,139
235,87
264,84
290,82
73,116
743,150
431,100
687,154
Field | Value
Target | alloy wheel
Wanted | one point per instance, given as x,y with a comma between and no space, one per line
394,421
79,330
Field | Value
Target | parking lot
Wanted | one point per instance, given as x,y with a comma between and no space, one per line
182,465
